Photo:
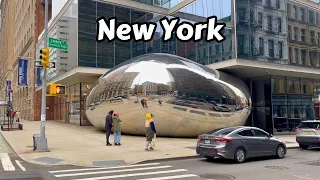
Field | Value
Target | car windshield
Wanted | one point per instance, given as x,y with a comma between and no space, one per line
310,125
221,131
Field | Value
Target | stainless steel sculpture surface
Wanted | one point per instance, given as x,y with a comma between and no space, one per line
186,98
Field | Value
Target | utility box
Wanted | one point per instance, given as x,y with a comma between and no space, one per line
35,141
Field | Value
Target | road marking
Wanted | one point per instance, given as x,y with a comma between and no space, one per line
171,177
20,165
303,177
135,174
114,171
6,162
93,169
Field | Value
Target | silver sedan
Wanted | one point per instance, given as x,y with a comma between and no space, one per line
239,143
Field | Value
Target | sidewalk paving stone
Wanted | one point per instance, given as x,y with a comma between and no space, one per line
85,146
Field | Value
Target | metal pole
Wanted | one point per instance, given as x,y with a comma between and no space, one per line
42,142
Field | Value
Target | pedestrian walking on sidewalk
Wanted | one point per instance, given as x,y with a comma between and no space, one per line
116,126
108,127
17,115
150,131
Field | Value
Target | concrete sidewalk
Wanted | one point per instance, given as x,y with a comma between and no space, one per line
85,146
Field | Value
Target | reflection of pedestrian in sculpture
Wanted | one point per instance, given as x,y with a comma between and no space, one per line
142,103
108,126
116,128
150,131
160,101
145,103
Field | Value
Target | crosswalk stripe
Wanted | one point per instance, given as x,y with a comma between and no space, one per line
6,162
103,168
135,174
171,177
20,165
114,171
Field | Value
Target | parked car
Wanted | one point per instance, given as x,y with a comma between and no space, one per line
221,108
239,143
308,134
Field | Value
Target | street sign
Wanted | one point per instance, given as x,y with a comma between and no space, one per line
38,63
58,43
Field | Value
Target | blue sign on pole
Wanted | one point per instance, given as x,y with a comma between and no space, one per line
38,76
8,87
23,72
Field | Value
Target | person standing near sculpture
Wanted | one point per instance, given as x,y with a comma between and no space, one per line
116,127
150,131
17,115
108,127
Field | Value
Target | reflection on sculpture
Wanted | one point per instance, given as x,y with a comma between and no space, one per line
186,98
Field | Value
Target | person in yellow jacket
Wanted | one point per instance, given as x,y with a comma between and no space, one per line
150,131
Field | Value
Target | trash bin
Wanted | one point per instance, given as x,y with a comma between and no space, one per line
35,140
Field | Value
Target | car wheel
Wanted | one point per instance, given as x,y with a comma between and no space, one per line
281,151
240,155
303,146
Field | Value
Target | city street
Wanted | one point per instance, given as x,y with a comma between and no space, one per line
297,165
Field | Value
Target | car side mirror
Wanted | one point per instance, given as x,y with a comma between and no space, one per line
270,135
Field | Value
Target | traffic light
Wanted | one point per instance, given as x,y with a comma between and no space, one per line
60,89
57,89
45,57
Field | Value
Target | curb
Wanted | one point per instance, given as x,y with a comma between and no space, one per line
137,162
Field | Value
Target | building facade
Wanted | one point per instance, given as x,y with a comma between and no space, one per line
29,22
7,45
259,48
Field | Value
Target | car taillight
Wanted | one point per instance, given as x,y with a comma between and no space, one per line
222,139
318,129
297,129
199,139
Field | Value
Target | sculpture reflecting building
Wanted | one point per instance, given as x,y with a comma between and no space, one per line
267,46
186,98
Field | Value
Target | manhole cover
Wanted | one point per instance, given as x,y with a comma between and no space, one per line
217,176
277,167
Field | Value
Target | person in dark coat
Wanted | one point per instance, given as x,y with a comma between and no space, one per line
108,127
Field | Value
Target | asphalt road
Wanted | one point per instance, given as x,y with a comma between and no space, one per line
297,165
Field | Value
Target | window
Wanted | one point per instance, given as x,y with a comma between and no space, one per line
295,34
279,24
269,21
318,38
280,48
312,37
271,48
302,14
258,133
268,2
309,125
290,55
278,4
296,54
246,133
217,49
317,18
210,51
261,47
294,12
242,13
241,44
303,56
290,32
260,22
204,52
311,17
303,35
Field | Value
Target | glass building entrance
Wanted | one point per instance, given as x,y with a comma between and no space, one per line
281,103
